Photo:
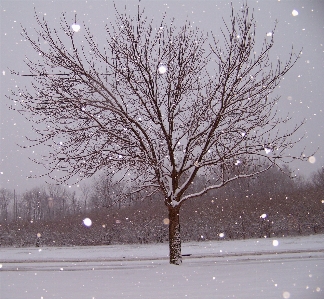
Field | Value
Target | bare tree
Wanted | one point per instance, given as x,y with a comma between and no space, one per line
104,193
158,105
34,204
85,191
57,200
318,181
5,198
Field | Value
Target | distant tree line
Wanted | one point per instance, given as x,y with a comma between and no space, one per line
271,204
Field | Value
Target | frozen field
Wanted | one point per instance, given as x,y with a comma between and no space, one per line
259,268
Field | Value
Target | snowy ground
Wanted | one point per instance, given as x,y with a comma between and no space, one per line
259,268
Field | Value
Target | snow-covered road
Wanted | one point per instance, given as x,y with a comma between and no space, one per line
227,269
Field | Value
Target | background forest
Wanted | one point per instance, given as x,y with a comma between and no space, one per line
271,204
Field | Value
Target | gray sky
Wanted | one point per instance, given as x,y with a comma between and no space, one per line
301,91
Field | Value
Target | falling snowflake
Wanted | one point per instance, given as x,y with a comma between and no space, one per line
75,27
294,13
166,221
263,216
267,150
275,242
87,222
162,69
286,295
311,159
221,235
269,34
237,162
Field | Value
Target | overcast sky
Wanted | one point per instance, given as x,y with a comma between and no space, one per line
301,91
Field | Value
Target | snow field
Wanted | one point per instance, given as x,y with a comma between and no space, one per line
224,269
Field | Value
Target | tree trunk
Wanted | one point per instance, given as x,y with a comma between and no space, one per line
174,236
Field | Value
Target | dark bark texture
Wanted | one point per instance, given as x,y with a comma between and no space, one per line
174,236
